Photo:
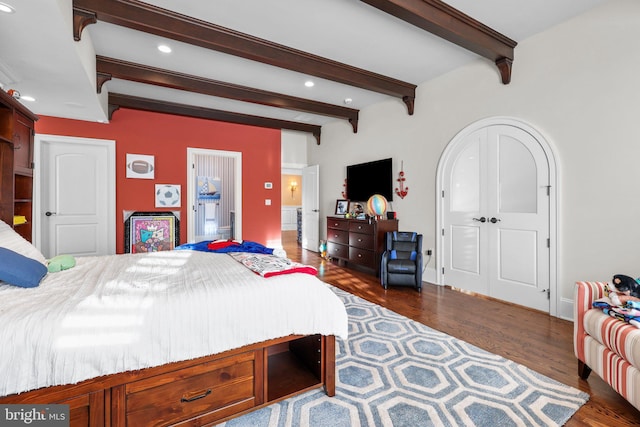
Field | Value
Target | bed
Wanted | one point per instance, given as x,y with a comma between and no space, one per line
167,338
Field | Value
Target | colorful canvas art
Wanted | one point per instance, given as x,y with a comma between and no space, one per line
151,232
209,188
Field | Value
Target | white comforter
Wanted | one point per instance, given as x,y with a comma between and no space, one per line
125,312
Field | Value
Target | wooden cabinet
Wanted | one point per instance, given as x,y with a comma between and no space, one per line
358,242
23,144
16,160
6,182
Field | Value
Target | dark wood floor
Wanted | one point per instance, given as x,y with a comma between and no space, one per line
531,338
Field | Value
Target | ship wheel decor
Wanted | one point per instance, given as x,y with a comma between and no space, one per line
402,191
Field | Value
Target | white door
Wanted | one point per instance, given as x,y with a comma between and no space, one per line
75,196
311,208
496,216
214,193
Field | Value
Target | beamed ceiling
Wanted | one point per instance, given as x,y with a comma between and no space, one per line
246,61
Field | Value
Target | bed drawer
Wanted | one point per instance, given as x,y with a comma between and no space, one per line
169,398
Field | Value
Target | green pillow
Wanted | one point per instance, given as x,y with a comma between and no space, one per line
61,262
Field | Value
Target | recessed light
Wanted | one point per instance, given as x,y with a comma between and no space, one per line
6,8
348,101
27,98
309,83
164,48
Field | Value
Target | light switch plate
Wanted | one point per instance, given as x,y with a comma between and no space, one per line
267,202
268,185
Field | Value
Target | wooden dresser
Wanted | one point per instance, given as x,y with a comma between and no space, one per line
358,242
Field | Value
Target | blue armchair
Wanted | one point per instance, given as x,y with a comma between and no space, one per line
401,263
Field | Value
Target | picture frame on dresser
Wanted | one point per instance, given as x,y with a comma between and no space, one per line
342,207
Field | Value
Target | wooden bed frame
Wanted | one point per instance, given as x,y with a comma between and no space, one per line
197,392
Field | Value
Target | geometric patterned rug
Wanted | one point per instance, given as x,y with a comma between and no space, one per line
393,371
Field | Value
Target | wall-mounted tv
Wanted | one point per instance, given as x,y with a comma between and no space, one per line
367,179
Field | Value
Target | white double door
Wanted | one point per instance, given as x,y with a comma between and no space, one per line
496,216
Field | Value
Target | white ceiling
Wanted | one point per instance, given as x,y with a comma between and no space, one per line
38,56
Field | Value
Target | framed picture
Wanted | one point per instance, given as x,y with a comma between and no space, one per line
151,232
209,188
356,208
342,206
167,195
140,166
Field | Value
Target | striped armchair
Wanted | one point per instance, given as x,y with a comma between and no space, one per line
606,345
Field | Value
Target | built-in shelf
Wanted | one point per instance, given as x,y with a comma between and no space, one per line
16,161
289,372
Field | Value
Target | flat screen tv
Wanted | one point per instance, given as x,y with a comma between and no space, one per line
367,179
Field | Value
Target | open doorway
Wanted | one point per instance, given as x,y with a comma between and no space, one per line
291,202
214,186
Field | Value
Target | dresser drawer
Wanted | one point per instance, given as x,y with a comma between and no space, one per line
338,223
362,257
165,399
363,241
338,236
337,251
361,227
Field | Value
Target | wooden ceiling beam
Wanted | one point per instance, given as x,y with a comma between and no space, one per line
115,68
454,26
165,23
117,101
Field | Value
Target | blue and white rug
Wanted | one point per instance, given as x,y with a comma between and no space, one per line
393,371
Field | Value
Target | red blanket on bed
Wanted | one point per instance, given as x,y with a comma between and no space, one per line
271,265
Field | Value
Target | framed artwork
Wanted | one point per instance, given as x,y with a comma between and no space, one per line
209,188
140,166
342,206
167,195
151,232
356,208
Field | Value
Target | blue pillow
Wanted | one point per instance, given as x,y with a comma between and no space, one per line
19,270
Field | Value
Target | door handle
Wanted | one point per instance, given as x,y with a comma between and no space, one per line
47,213
481,219
494,220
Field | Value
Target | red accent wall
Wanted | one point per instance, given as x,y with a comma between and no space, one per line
167,137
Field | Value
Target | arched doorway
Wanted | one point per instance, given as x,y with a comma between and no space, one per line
497,198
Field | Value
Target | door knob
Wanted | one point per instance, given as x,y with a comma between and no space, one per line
494,220
47,213
481,219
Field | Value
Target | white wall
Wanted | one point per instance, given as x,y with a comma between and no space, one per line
579,85
294,149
